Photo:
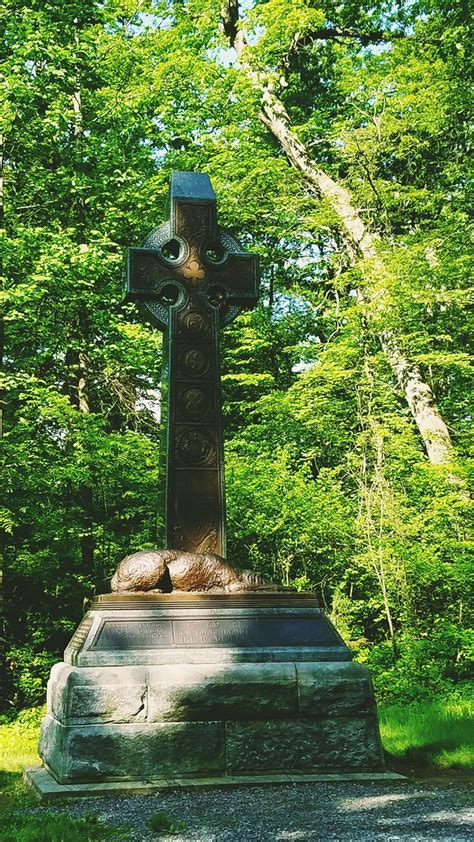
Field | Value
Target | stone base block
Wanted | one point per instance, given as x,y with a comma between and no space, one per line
116,751
46,787
127,723
198,687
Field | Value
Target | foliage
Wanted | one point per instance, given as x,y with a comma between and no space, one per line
329,487
441,661
18,750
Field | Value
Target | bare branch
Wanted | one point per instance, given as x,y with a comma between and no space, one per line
326,34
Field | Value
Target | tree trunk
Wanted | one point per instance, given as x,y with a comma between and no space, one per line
2,233
82,390
372,492
361,242
421,402
86,495
78,390
357,238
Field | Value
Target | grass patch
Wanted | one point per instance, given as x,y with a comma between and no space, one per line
56,827
18,750
162,823
436,735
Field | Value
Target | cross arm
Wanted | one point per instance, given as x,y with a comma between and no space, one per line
146,275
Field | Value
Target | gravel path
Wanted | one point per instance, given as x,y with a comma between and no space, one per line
299,812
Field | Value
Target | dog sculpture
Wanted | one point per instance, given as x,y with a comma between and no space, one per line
163,571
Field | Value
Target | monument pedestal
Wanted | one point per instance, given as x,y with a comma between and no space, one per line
192,686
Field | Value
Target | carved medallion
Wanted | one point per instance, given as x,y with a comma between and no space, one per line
196,447
194,404
197,324
194,363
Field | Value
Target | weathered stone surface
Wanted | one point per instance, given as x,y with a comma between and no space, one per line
48,789
113,703
138,751
337,689
52,746
191,710
222,692
184,748
302,745
90,695
218,655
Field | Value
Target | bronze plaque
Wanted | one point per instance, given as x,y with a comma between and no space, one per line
129,634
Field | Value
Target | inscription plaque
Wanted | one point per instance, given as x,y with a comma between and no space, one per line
209,632
204,628
133,634
222,632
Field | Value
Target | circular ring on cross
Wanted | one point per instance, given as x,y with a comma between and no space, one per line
214,253
171,293
174,251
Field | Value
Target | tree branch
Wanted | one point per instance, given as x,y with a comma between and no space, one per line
327,33
230,19
333,34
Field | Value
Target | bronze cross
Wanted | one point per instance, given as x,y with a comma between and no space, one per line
193,278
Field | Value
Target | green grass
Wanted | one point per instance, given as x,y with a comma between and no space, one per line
18,749
162,823
55,827
436,735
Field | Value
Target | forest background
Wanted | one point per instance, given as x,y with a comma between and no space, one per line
336,138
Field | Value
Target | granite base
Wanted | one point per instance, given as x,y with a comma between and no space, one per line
46,787
226,704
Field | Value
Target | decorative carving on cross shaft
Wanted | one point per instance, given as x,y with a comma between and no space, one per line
193,278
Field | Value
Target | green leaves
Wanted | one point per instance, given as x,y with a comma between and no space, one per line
275,25
328,484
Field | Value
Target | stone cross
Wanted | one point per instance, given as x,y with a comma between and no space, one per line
193,278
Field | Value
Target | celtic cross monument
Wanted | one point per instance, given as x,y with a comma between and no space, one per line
193,279
212,678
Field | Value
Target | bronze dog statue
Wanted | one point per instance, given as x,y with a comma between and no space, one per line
163,571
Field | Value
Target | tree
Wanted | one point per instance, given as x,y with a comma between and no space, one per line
359,240
359,212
